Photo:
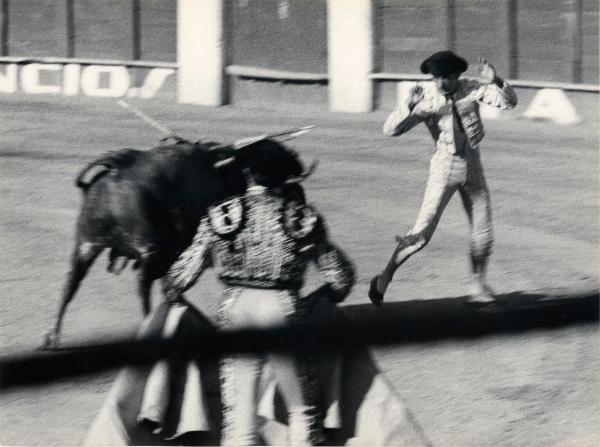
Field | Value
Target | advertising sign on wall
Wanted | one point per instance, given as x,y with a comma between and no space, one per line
110,81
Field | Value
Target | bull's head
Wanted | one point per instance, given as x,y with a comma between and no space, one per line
305,174
272,164
262,151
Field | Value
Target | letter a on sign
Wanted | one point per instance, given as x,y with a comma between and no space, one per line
552,104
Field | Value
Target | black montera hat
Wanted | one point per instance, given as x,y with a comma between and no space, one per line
231,174
271,163
444,63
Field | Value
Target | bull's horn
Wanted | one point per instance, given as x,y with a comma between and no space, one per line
307,173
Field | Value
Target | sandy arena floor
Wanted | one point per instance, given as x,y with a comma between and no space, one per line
536,389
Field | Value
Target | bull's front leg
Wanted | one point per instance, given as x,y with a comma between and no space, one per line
149,260
84,255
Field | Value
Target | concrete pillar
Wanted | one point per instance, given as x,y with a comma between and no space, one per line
202,52
575,32
351,55
447,24
508,39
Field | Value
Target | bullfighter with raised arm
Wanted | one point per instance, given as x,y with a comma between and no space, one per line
449,107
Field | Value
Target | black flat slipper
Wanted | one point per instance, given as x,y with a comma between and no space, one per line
375,295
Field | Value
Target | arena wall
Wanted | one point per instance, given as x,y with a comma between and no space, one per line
284,51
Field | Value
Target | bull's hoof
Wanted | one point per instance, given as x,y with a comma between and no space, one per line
50,343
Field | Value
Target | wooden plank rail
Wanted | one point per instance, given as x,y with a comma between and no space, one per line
291,76
86,61
268,74
395,77
243,71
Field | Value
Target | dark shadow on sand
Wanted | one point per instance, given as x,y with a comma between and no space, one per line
513,312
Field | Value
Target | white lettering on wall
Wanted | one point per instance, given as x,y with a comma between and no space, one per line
30,79
552,104
8,79
117,85
154,81
71,79
110,81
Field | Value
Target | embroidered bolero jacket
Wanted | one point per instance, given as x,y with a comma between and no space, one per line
261,240
435,110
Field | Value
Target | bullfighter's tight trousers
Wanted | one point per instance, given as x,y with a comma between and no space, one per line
247,308
447,174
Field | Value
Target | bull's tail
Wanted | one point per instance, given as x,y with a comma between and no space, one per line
108,162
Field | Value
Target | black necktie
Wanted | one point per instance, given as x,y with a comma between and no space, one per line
457,116
458,144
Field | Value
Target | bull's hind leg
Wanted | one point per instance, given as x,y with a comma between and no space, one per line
84,255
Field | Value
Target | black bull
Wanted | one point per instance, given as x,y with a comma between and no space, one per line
144,206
